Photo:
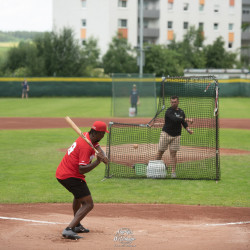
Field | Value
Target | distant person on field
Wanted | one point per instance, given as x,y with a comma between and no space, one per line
171,132
134,98
26,89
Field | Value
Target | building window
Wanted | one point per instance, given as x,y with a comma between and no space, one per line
201,26
145,5
231,3
201,29
245,11
83,34
201,5
170,4
170,25
216,8
230,26
84,22
122,3
123,33
122,23
230,45
185,25
170,35
185,6
231,37
84,2
216,26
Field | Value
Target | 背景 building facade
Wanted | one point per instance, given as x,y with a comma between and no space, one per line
163,20
245,36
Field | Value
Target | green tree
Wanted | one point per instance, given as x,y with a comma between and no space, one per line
53,54
218,57
23,57
190,49
61,54
119,57
162,61
91,54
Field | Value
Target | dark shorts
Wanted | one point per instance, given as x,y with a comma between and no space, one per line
76,186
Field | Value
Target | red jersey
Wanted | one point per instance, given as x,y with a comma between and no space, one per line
80,153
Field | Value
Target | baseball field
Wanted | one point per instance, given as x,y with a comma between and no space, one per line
145,213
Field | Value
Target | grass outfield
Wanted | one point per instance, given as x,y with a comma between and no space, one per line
95,107
29,158
56,107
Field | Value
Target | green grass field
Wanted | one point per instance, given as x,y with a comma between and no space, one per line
29,158
95,107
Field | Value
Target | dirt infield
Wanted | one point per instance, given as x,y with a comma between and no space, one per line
122,226
37,123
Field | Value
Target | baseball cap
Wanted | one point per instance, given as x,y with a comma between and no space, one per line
134,86
100,126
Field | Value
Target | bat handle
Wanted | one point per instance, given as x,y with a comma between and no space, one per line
90,144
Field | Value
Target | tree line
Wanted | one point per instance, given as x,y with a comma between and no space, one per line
59,54
16,36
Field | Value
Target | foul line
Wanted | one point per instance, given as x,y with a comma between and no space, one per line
230,223
37,221
57,223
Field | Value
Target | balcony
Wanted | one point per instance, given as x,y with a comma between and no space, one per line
245,18
151,32
151,14
245,35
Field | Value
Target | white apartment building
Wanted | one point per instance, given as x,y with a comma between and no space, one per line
163,20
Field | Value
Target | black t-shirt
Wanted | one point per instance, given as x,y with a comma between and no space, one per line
25,85
134,96
173,121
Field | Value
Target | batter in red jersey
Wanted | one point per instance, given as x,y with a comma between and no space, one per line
70,173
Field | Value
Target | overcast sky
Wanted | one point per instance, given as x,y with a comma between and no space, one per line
25,15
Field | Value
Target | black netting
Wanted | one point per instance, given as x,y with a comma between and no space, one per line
132,148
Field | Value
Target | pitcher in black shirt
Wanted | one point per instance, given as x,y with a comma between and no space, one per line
171,132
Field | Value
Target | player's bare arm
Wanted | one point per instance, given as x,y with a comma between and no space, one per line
102,155
189,120
189,130
83,169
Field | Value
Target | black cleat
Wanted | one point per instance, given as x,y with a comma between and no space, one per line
80,229
68,233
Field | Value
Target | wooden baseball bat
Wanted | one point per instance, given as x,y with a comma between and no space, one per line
78,131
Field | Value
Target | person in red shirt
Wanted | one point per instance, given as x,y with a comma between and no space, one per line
71,174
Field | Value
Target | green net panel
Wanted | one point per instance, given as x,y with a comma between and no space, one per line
122,85
132,148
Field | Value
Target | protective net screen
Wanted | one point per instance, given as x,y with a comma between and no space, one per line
133,148
133,96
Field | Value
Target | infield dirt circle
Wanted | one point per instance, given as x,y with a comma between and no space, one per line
122,226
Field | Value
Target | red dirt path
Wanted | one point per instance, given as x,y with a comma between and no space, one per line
37,123
153,226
